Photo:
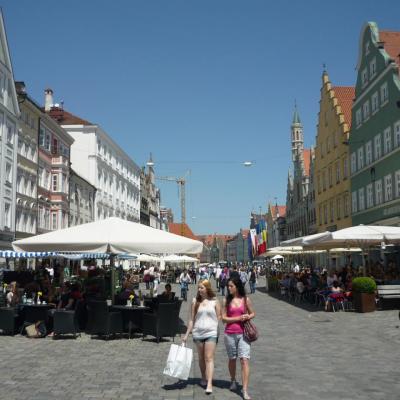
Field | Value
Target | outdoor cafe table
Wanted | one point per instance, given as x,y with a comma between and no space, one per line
132,315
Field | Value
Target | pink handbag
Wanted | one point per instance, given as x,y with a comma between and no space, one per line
250,332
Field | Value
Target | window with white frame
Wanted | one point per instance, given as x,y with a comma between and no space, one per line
366,110
372,68
346,205
364,77
8,172
337,172
42,137
358,117
47,143
397,182
374,102
354,202
54,224
332,210
360,154
7,215
370,196
384,93
361,199
345,167
353,162
367,48
54,183
377,147
388,187
396,134
368,152
338,208
2,84
387,144
378,192
10,128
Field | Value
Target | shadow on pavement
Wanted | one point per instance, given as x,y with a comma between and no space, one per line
218,383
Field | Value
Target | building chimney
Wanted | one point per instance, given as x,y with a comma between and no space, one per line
48,99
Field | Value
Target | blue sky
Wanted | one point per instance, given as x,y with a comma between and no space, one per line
203,85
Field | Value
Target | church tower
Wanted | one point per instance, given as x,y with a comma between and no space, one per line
297,136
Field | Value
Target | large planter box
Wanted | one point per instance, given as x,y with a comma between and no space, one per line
364,302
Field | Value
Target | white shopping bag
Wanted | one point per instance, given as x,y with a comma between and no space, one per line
179,362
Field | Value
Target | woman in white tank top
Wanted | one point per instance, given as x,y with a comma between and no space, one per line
203,323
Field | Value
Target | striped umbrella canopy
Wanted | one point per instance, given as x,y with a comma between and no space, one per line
26,254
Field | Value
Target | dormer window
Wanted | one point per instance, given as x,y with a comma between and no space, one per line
367,48
364,77
372,68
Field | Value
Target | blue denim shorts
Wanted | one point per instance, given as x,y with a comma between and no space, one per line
207,339
236,346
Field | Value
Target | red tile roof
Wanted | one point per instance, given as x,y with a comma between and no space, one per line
391,44
307,159
281,210
345,96
66,118
208,240
177,230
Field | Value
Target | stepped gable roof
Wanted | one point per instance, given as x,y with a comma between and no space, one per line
208,240
66,118
176,228
307,161
345,96
391,41
281,210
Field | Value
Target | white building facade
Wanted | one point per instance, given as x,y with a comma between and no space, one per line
82,199
27,165
9,114
100,161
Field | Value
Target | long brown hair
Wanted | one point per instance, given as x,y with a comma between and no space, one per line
210,295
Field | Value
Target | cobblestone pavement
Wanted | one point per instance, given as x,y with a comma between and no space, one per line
301,354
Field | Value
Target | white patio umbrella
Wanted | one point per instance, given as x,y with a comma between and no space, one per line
355,236
148,258
300,241
111,235
277,257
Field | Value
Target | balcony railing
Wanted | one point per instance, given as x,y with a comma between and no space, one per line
60,160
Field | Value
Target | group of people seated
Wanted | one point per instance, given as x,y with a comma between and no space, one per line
329,285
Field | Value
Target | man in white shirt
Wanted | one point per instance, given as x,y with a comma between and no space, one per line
218,274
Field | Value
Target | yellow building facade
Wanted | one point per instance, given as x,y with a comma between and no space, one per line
332,170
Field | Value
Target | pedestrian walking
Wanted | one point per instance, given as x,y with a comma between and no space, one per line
253,280
203,323
223,280
184,281
237,309
218,272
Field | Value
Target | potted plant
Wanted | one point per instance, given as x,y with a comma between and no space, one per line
364,294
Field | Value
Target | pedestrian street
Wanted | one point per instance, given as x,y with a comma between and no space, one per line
302,353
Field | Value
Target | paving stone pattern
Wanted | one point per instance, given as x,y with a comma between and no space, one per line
302,353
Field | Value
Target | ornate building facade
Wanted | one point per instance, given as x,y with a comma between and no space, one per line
27,164
332,157
375,130
276,225
9,114
300,210
102,162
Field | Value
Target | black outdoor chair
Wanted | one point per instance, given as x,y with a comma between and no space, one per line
69,321
163,322
8,319
101,322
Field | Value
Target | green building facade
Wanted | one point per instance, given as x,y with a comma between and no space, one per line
375,132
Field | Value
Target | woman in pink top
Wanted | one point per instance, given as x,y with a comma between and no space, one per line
237,309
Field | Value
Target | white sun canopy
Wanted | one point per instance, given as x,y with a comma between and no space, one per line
359,236
176,258
111,235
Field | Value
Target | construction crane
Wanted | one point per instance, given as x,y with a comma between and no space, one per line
181,187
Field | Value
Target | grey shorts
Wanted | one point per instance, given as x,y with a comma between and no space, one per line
236,346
